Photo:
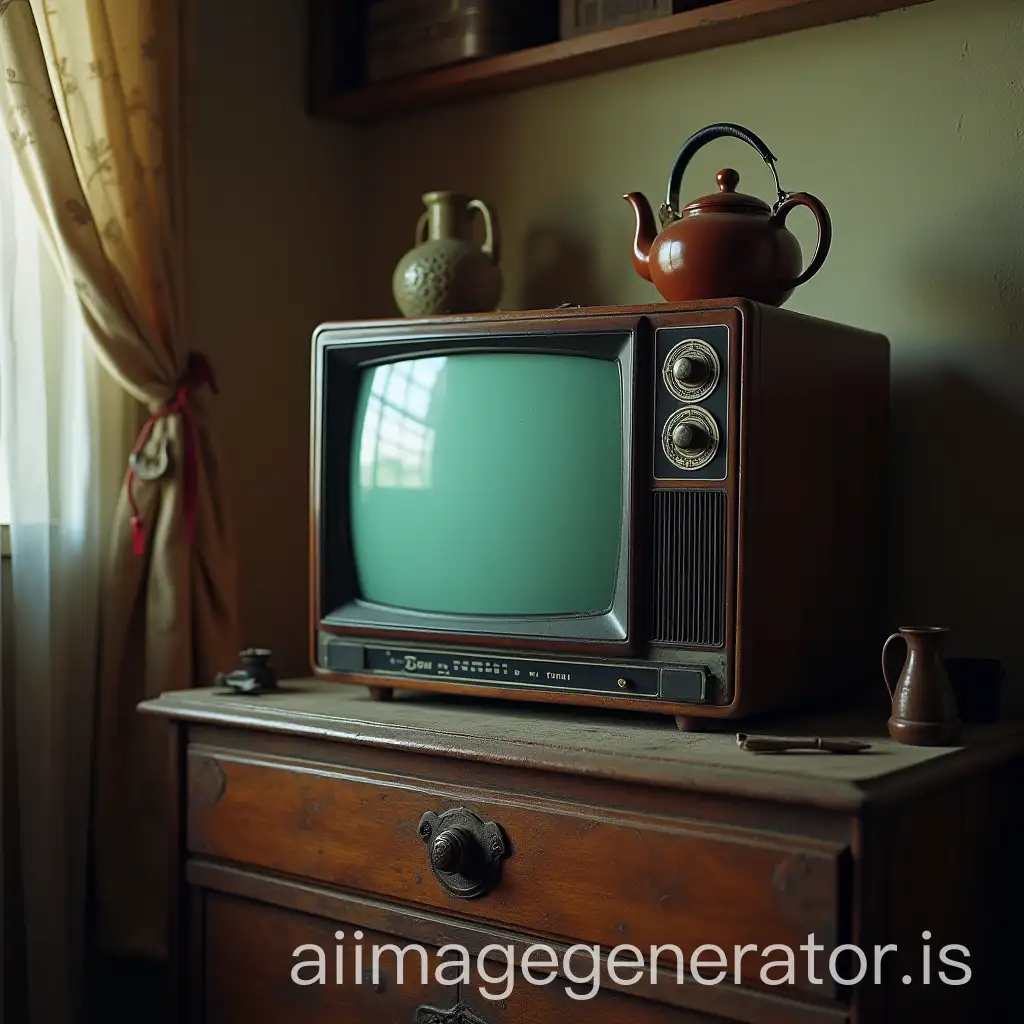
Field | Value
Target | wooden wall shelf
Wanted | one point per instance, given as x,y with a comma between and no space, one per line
719,24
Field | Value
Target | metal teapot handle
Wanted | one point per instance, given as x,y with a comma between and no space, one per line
671,211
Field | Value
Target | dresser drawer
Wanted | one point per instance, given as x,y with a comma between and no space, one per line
252,949
250,953
590,874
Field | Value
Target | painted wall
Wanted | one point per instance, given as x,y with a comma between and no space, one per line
910,127
273,210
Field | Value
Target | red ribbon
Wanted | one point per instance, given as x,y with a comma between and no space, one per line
197,373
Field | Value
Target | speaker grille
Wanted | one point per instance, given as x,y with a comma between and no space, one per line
689,567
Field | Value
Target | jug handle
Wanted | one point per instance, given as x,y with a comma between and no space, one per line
492,243
816,207
889,684
698,141
422,228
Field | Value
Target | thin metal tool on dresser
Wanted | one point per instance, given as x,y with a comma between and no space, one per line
780,744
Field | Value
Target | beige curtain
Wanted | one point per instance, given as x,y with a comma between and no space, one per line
93,101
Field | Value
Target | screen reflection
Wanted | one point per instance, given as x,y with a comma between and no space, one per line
397,444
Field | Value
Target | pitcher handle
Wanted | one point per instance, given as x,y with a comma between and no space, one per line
492,243
423,227
889,684
817,207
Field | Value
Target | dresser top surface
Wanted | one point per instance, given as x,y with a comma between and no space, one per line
595,742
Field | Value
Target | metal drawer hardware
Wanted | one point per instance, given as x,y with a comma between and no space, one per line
460,1015
465,852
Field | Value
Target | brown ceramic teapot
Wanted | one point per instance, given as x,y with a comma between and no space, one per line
726,244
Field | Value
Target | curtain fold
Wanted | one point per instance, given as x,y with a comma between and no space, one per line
92,102
64,425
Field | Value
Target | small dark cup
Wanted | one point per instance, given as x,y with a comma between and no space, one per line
977,686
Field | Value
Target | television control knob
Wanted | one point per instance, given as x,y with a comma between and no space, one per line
692,370
689,437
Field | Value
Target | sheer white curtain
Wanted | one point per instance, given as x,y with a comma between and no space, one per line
65,429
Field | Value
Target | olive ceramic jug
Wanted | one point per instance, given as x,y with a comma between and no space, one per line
447,272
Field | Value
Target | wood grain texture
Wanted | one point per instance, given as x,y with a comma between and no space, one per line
434,929
250,955
922,914
529,1004
183,928
293,836
815,430
647,751
589,874
721,24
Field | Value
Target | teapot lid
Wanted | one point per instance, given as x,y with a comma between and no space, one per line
727,199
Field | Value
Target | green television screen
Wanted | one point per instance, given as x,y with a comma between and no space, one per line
488,484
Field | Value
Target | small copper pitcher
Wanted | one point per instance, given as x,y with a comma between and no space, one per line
924,711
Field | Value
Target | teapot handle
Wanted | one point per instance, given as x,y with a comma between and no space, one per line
699,140
824,231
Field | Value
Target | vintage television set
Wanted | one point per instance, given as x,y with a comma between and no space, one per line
669,508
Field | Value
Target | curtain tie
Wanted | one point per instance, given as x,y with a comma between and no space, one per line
198,372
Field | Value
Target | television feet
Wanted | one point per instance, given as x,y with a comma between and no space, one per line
688,723
381,692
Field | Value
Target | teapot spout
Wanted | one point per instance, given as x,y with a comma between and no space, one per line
645,234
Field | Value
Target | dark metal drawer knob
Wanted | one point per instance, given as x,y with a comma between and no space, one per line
451,850
464,851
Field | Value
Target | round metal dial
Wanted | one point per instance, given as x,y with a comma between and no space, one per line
690,438
691,370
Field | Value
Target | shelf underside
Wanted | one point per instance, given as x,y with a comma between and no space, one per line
704,28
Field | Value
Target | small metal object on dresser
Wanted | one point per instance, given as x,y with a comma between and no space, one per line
465,852
458,1015
255,676
782,744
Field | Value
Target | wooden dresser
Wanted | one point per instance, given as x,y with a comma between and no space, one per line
317,811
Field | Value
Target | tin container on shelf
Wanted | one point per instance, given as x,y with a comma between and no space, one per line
407,36
581,17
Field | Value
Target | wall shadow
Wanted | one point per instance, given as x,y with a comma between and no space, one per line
956,552
956,546
558,268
